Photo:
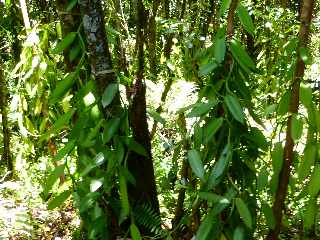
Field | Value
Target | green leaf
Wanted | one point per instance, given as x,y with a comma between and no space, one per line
58,200
209,227
135,146
277,157
235,108
65,42
207,68
212,128
238,233
244,212
53,177
110,129
314,186
156,116
200,109
134,231
74,52
262,180
219,49
297,127
220,167
62,88
212,197
306,96
305,56
284,104
71,5
64,151
196,163
245,19
268,214
225,4
123,197
109,93
241,56
309,157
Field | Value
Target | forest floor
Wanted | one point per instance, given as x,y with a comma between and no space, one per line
24,216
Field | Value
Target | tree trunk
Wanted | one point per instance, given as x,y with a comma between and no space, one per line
6,154
141,166
278,205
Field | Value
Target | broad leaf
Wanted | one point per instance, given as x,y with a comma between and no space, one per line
238,233
58,200
244,212
207,68
314,186
109,93
62,88
95,184
305,96
245,19
310,213
242,56
156,116
209,227
196,163
212,128
308,161
212,197
134,231
64,151
110,129
123,197
235,108
268,214
296,128
200,109
219,49
65,42
224,7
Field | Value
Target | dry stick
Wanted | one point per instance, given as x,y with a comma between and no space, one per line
25,15
278,206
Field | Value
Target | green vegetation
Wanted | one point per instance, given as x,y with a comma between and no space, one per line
149,119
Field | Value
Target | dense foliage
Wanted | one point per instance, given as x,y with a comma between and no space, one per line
162,119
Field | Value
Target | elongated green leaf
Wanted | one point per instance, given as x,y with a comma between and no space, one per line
224,7
242,56
297,127
109,93
196,163
244,212
135,146
207,68
220,167
235,108
110,129
135,234
284,104
58,200
95,184
64,151
212,197
212,128
262,180
305,96
123,197
209,227
62,88
277,158
314,186
308,161
238,233
268,214
65,42
219,49
156,116
245,19
53,177
71,5
200,109
305,56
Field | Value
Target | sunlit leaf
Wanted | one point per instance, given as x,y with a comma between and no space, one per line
62,88
59,200
109,93
244,212
196,163
200,109
308,160
95,184
245,19
156,116
235,108
224,7
242,57
297,127
314,186
212,128
135,233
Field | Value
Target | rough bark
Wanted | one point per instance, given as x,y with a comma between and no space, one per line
141,166
6,157
278,205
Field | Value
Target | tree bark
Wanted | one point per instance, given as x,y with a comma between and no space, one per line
6,155
278,205
141,166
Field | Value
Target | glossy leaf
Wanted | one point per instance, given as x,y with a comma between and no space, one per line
212,128
309,157
219,49
135,233
244,212
196,163
314,186
62,88
235,108
59,200
201,108
305,96
297,127
245,19
110,129
95,184
242,56
65,42
109,93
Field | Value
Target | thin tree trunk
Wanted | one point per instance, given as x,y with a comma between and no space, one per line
141,166
278,205
6,154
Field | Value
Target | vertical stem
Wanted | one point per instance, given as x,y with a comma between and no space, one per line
278,205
